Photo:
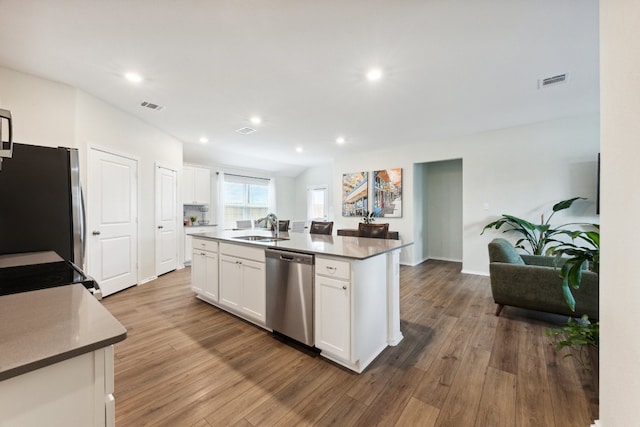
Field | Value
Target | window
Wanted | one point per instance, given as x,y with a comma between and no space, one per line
317,201
244,198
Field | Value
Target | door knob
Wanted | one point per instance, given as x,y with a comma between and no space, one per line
96,233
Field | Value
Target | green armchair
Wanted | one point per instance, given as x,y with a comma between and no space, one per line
533,282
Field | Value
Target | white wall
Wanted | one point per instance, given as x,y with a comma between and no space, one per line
321,175
52,114
522,170
620,207
102,126
44,112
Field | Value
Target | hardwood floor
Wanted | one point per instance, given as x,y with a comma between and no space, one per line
187,363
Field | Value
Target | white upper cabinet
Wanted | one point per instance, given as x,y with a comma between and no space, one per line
196,188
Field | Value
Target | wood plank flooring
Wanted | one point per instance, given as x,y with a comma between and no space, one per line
187,363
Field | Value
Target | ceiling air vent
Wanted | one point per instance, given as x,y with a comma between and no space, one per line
151,106
560,78
245,131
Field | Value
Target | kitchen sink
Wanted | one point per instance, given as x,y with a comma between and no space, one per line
261,238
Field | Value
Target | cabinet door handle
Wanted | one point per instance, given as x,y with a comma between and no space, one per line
96,233
344,287
160,227
330,268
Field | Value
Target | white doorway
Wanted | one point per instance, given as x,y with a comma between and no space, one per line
166,220
112,220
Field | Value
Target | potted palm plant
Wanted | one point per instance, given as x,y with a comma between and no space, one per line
582,252
580,336
536,236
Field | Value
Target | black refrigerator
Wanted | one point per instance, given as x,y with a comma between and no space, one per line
41,210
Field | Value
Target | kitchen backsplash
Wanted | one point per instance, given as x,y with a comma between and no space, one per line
190,210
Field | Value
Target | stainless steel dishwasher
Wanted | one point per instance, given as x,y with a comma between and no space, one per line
290,294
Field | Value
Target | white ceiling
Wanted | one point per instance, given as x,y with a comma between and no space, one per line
450,68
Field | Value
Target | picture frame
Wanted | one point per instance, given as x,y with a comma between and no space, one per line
355,194
387,193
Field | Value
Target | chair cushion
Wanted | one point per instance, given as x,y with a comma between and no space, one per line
501,250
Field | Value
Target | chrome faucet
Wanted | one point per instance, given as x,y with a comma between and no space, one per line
272,219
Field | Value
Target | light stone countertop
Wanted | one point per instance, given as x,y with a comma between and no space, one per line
43,327
338,246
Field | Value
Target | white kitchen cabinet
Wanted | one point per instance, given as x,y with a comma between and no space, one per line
188,244
351,310
333,316
196,187
243,281
204,269
230,282
73,392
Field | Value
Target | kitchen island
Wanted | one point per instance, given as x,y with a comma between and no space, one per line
356,286
56,358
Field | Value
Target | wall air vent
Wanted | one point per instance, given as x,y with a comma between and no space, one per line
245,130
151,106
549,81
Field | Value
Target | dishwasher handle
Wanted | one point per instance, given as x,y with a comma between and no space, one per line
287,256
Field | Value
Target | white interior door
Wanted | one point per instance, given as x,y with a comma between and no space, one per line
166,220
112,219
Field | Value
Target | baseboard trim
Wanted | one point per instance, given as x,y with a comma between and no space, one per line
475,273
147,280
413,264
445,259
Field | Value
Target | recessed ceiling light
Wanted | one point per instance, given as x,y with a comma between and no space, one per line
298,149
256,120
374,74
340,140
204,140
133,77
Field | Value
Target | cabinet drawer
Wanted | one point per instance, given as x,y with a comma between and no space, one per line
333,268
241,251
205,245
196,230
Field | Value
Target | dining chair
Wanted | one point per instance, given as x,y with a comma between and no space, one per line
321,227
376,231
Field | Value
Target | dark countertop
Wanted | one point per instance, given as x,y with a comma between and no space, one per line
40,328
338,246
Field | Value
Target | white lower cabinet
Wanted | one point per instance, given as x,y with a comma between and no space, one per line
333,316
188,240
351,310
230,280
231,276
204,269
243,281
76,392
